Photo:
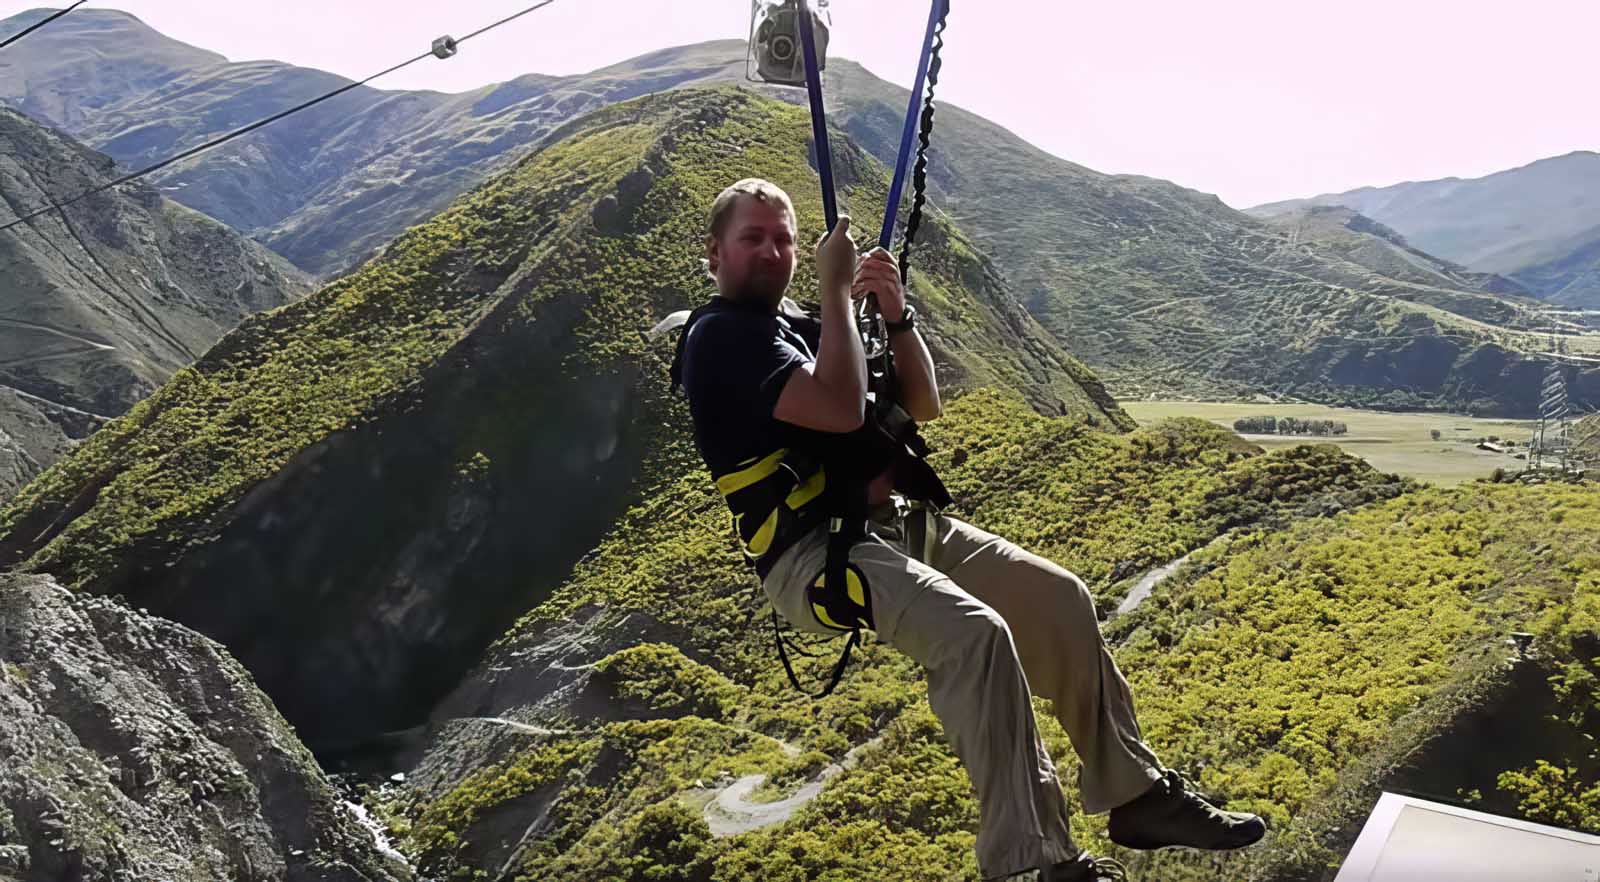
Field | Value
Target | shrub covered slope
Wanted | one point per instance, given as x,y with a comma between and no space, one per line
470,409
1336,631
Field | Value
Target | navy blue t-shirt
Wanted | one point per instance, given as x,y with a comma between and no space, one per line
736,360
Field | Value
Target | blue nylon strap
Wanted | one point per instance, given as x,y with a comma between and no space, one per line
890,211
819,115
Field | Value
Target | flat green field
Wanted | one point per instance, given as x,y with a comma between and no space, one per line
1391,441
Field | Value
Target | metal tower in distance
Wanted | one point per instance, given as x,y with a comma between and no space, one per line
1552,444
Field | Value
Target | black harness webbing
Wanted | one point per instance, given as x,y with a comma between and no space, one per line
839,666
847,502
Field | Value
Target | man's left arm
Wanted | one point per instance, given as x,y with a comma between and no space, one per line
878,274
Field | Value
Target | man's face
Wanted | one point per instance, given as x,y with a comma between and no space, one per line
754,257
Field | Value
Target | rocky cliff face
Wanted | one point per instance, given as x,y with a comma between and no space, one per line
135,749
105,300
360,491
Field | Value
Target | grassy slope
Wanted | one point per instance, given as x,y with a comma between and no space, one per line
1109,507
167,471
1391,442
289,378
1278,664
1282,667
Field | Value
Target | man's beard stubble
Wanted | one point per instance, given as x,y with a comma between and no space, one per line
764,286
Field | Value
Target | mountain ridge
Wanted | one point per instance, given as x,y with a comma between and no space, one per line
1538,223
108,297
1163,290
419,364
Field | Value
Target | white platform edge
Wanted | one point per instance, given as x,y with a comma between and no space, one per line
1362,861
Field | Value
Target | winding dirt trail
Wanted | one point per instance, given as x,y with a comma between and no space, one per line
1141,591
520,727
731,812
87,345
59,332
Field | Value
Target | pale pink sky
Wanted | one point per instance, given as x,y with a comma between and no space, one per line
1254,100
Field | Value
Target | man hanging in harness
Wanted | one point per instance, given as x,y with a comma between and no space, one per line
780,409
812,441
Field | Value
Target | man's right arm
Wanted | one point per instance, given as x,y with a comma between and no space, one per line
831,394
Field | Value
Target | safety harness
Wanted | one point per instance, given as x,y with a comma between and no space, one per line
779,497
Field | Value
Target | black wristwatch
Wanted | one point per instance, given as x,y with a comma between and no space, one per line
908,321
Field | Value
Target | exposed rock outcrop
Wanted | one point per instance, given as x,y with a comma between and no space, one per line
134,749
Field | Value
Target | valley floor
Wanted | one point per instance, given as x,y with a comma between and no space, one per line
1391,441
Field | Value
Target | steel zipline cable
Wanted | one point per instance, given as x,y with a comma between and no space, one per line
444,47
37,25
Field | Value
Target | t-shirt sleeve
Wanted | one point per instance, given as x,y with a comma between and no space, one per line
736,365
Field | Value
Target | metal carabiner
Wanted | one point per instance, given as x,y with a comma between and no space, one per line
870,323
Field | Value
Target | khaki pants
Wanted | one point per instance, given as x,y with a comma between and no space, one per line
988,620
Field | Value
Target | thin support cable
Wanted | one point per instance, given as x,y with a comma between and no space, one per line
216,142
34,27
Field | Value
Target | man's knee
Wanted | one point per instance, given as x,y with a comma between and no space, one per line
1061,580
1078,588
988,629
978,631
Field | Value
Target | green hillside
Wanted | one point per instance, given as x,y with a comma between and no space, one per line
1325,647
471,408
447,513
1304,669
667,586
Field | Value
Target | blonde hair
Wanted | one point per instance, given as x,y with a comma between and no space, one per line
755,188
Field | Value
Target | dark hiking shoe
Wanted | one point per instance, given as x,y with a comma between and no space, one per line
1085,869
1172,814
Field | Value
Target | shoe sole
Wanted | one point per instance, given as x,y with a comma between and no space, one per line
1151,845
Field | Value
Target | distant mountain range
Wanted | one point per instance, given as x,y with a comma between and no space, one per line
1161,289
341,179
1538,224
102,302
